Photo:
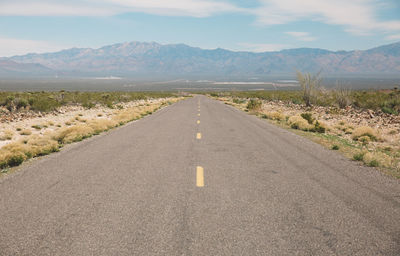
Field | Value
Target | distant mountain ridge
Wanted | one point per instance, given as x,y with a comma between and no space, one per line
152,59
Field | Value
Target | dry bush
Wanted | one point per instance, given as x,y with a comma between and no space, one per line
377,159
99,125
254,105
297,122
321,126
41,145
365,131
275,115
364,140
7,135
25,132
342,96
310,84
73,133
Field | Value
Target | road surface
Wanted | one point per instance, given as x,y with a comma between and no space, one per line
198,178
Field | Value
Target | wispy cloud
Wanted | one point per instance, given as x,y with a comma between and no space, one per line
195,8
12,46
357,16
302,36
261,47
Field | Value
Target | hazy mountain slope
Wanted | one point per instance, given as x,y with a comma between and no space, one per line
10,67
136,58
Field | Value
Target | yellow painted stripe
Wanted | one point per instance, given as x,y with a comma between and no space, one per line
198,121
198,114
198,136
199,176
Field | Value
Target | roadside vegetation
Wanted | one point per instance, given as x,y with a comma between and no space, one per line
362,125
66,119
49,101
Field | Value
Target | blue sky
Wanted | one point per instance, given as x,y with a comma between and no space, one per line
251,25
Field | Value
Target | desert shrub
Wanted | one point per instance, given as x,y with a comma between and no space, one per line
99,125
254,105
365,131
73,133
21,103
320,127
41,145
342,96
298,122
358,156
375,159
364,140
389,110
37,127
310,85
335,147
275,115
6,135
25,132
88,105
238,101
15,160
308,117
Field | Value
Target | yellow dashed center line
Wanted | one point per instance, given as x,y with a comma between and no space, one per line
198,121
198,114
199,176
198,136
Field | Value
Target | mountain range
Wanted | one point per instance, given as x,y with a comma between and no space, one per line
141,59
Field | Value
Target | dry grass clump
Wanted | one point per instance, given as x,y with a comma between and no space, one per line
346,128
365,131
25,132
80,119
6,135
99,125
375,159
73,133
275,115
15,153
297,122
37,127
254,105
41,145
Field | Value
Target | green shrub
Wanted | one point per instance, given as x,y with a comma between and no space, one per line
389,110
15,160
373,163
358,156
318,127
335,147
22,103
254,105
308,117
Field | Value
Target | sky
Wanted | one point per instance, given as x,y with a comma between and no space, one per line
249,25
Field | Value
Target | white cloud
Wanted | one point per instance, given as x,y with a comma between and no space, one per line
53,8
357,16
11,46
302,36
261,47
195,8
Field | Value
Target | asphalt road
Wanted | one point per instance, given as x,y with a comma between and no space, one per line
168,185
